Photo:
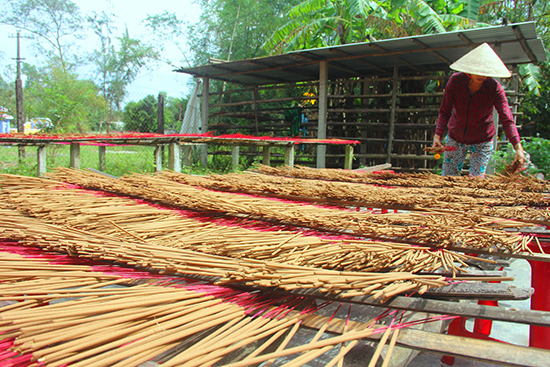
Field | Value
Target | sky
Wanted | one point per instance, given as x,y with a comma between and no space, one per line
129,14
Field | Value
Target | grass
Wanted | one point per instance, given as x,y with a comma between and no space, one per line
119,160
126,159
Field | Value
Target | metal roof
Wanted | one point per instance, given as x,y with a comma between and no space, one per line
515,43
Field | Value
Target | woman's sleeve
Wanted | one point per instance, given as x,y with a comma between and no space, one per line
506,117
446,108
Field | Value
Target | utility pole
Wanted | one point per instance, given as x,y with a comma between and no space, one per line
19,98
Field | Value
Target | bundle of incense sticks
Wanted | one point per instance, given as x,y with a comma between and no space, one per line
97,321
170,260
496,182
362,194
129,220
356,192
460,230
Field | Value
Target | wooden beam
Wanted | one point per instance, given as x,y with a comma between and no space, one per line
289,155
464,309
348,161
340,52
414,67
443,344
158,158
481,350
436,54
393,108
41,160
322,112
235,158
204,121
174,157
187,151
466,40
524,44
75,156
266,155
102,151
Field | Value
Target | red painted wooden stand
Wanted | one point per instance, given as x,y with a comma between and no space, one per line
539,336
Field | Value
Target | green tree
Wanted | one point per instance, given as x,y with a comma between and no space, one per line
55,24
536,107
174,110
320,23
172,31
141,116
118,60
235,30
70,103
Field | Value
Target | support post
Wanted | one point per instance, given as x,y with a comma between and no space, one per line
266,155
364,130
174,157
235,157
75,156
158,158
289,155
349,157
41,160
393,107
187,151
19,100
204,122
102,150
160,109
322,121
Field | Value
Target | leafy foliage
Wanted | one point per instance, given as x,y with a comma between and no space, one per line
231,30
536,106
56,24
70,103
537,150
118,61
320,23
142,116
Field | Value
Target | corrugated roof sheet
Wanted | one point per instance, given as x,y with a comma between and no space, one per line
515,43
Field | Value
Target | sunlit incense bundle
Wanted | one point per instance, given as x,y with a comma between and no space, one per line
95,320
126,219
461,230
170,260
349,193
496,182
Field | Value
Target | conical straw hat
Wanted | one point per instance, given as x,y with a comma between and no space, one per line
482,60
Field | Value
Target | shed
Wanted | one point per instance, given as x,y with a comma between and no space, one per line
384,93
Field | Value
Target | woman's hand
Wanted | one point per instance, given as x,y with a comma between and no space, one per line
520,155
437,141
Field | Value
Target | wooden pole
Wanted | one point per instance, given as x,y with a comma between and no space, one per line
41,160
235,157
102,150
158,158
349,157
393,108
322,122
75,156
289,155
160,109
174,157
266,155
204,124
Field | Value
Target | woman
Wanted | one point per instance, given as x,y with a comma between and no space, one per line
466,113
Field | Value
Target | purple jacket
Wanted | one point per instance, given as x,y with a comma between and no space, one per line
469,119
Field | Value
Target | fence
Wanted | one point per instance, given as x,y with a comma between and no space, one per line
117,154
